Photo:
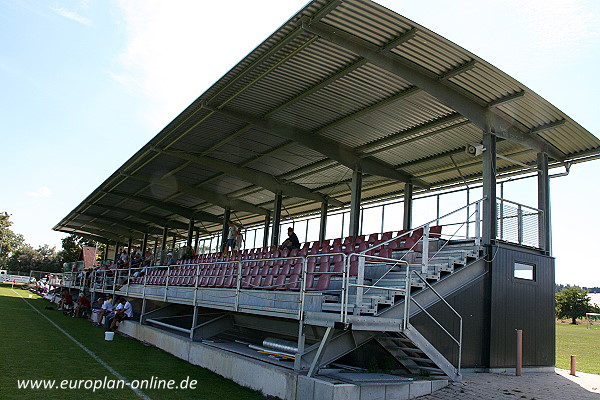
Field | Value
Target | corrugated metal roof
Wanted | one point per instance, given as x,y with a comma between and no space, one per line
297,89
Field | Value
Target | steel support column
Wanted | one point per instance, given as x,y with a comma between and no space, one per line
323,226
129,244
190,234
355,198
196,240
408,206
489,188
144,244
225,231
163,245
266,232
116,251
544,224
276,219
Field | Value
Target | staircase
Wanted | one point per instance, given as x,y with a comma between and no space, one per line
382,305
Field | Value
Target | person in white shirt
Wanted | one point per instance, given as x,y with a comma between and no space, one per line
123,311
105,309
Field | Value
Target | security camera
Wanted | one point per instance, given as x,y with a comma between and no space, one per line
474,149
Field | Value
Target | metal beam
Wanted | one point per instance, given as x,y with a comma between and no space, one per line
253,176
489,189
211,197
276,219
154,219
543,189
170,207
355,197
130,225
480,115
408,206
97,232
343,154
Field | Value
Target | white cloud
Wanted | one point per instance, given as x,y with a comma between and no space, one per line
176,50
72,15
43,191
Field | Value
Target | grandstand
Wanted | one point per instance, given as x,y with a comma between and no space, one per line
337,124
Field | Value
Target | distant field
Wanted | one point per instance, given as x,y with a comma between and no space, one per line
580,341
32,348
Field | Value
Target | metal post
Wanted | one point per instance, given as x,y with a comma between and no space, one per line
468,212
544,224
266,230
116,251
355,202
519,368
174,242
408,206
323,225
163,247
190,234
129,244
478,223
196,241
144,244
489,188
501,216
360,280
520,224
225,231
425,253
276,219
301,342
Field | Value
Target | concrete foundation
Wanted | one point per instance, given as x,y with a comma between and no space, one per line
271,379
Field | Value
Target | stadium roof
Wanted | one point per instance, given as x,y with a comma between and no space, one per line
341,85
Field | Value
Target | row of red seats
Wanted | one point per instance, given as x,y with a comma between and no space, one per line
348,245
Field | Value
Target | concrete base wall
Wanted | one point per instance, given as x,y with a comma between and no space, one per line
271,379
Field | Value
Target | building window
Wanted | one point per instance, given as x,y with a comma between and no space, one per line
524,271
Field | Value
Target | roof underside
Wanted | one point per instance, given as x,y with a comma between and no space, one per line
341,85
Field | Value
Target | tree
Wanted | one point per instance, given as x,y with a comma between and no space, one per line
573,302
9,240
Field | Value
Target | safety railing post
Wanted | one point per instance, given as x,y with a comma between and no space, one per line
344,305
425,252
360,280
520,223
128,281
167,281
406,298
302,289
238,286
478,223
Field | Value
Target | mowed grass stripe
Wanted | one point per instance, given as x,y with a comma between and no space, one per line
38,351
90,353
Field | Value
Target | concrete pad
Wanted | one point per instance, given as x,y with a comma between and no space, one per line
397,392
305,388
345,391
419,388
372,392
438,384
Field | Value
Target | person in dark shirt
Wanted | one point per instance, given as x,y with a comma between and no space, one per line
291,242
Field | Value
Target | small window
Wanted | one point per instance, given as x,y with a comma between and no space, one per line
524,271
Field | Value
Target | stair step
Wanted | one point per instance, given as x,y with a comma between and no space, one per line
419,359
432,369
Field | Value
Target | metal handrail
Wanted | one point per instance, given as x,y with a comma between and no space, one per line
409,298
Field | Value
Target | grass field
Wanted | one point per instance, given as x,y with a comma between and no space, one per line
32,348
580,341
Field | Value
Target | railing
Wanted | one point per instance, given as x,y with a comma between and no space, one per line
518,223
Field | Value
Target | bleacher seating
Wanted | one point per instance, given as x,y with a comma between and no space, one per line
269,268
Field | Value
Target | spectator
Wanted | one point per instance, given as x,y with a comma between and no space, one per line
170,259
239,240
122,311
105,309
291,242
188,253
66,300
82,306
230,243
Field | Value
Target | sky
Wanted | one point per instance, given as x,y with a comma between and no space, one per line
84,84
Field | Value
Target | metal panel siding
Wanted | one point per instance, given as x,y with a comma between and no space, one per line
518,304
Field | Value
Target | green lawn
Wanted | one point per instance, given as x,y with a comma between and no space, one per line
580,341
32,348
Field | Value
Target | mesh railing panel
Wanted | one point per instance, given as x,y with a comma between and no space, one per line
518,224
